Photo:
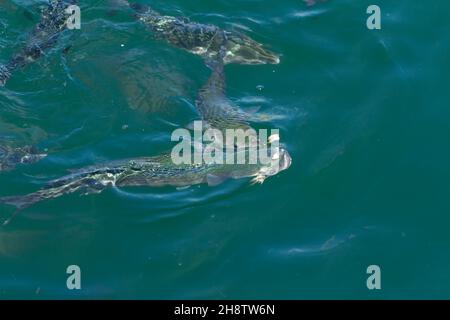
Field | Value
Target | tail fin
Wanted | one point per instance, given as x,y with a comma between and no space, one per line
22,202
7,221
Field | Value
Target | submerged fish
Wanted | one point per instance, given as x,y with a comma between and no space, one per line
204,39
214,107
10,157
219,112
43,37
154,171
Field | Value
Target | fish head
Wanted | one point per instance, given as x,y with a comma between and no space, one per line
280,160
241,49
285,160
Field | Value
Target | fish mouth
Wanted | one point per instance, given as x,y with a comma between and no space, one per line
285,160
244,50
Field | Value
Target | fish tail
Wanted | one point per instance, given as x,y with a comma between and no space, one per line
7,221
22,202
56,190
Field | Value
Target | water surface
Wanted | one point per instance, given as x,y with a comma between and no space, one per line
367,127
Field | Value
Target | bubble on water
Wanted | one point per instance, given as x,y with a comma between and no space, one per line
125,127
260,87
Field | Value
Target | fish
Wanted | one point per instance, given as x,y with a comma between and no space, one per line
156,171
204,40
43,37
11,156
217,111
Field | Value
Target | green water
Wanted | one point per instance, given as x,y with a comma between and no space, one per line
367,126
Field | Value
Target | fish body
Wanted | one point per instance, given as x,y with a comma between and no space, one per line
214,107
43,37
204,40
155,171
218,112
